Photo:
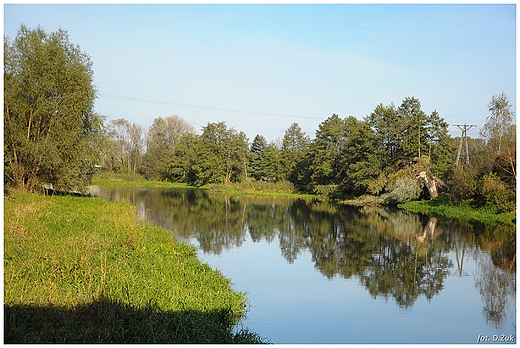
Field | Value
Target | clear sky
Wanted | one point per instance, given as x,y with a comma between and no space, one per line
261,68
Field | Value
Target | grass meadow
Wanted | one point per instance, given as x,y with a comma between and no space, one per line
83,270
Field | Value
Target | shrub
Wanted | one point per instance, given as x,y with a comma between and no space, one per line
462,184
493,192
403,190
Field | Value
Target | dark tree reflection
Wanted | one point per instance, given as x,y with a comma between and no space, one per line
496,280
399,272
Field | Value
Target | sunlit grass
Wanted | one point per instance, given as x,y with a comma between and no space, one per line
68,261
259,188
464,212
130,180
256,188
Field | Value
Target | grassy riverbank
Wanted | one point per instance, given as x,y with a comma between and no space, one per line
260,188
128,180
254,188
440,207
82,270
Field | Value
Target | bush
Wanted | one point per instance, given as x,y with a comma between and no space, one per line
493,192
462,184
404,190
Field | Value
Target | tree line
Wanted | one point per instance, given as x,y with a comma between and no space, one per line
52,136
379,155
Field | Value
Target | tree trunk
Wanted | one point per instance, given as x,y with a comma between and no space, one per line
431,184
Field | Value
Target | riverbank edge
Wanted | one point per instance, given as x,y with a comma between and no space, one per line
437,207
77,290
462,212
231,189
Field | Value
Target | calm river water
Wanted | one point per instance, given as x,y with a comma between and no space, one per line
316,272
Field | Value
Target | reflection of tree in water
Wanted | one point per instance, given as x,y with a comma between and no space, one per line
399,272
496,280
294,229
393,253
341,247
497,287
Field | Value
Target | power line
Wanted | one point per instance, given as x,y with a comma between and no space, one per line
464,138
150,101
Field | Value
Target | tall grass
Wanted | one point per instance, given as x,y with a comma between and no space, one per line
83,270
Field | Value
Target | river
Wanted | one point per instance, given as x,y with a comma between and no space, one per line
316,272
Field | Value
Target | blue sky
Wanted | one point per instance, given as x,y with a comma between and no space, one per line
261,68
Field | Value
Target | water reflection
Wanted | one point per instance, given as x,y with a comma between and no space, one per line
394,254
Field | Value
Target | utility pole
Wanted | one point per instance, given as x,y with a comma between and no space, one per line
463,138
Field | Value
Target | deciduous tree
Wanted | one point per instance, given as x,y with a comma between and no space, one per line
126,146
223,156
499,132
51,133
163,136
498,122
325,151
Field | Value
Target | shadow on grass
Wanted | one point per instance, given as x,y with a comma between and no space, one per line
108,321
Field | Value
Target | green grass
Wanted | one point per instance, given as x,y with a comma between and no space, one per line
259,188
254,188
128,180
464,212
83,270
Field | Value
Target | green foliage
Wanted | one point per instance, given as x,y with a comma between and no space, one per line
51,135
329,191
182,164
505,162
347,158
162,139
257,149
80,270
295,145
440,146
385,123
219,155
125,146
343,154
412,128
107,179
359,158
224,155
402,191
462,184
493,192
403,138
270,164
463,212
326,151
498,122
